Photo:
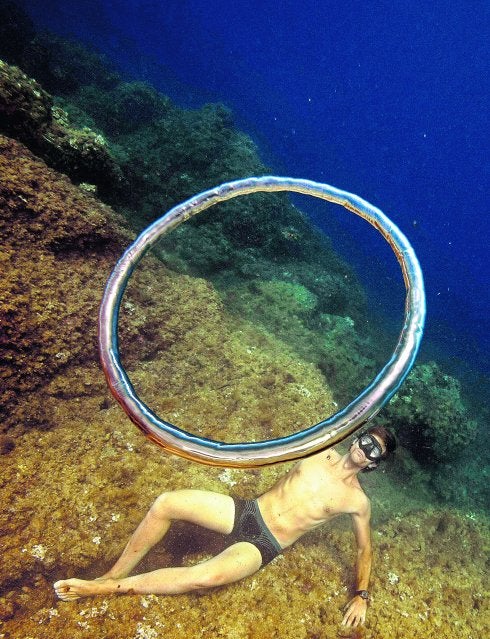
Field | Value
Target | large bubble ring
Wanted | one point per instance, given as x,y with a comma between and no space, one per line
314,438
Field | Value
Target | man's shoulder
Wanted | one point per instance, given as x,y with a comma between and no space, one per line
360,501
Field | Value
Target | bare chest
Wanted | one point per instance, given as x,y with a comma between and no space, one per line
315,491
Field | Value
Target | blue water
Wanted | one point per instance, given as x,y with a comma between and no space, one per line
384,99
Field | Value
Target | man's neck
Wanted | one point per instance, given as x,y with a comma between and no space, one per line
348,469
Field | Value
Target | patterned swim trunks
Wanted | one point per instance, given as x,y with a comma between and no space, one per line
249,526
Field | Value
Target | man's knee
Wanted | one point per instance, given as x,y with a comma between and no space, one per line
170,505
209,579
161,506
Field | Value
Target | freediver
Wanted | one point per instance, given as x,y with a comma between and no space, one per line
317,489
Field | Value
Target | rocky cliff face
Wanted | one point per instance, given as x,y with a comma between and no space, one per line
57,248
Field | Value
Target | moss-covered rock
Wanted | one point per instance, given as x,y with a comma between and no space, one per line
25,106
48,293
62,65
28,113
289,311
430,416
465,480
124,108
348,359
283,299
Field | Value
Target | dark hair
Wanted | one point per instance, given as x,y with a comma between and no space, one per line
387,438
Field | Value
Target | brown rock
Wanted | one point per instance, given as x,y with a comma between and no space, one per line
57,246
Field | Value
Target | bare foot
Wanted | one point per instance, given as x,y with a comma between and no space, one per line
71,589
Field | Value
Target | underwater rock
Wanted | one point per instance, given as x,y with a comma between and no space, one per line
285,299
464,482
7,609
110,108
57,246
429,415
289,311
346,357
162,155
7,445
24,105
28,114
60,65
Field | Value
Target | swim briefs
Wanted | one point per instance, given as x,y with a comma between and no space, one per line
249,526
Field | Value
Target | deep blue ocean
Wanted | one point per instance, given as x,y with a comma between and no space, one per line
384,99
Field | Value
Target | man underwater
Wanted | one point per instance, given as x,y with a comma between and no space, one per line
314,491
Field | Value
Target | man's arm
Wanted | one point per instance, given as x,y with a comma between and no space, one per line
356,608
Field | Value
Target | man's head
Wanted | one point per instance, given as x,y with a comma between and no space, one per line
376,444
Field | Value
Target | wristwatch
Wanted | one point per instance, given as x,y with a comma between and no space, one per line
363,594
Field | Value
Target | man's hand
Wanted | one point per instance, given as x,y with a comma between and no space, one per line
356,612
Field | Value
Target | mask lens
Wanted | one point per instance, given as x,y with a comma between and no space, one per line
370,447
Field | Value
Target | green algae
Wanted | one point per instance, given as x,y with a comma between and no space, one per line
436,427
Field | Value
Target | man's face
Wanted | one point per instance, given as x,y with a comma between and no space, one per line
360,456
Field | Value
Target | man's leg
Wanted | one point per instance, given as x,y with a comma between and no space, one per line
211,510
236,562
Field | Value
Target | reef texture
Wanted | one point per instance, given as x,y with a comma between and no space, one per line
430,415
74,486
72,495
28,113
56,249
